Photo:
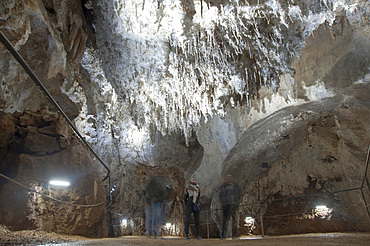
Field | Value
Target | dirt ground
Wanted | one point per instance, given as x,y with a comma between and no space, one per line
301,240
32,237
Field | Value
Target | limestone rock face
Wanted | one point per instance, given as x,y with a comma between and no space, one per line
49,36
38,152
337,58
314,148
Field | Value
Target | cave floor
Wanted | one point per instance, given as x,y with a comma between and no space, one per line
301,239
36,237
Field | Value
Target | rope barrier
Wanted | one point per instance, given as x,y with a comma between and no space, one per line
52,198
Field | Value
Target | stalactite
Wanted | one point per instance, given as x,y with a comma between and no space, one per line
234,44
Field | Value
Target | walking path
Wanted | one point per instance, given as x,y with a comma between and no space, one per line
300,240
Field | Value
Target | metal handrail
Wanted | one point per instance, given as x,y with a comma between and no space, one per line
35,79
366,168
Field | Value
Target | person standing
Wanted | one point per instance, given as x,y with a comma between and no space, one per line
191,197
157,193
148,214
166,196
230,196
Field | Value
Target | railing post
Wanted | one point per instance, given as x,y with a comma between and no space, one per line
366,168
365,203
208,224
261,218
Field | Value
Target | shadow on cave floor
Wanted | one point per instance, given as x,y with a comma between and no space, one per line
300,239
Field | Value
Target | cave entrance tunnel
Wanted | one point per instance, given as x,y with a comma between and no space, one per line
255,218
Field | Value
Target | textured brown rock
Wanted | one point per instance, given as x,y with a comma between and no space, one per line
35,160
7,131
40,144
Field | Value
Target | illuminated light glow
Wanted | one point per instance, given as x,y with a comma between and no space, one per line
168,226
137,137
124,222
250,237
59,183
323,212
250,223
171,229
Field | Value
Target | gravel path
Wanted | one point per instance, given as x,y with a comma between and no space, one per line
34,237
31,237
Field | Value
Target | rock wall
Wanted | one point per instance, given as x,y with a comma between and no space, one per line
308,149
39,147
171,159
50,37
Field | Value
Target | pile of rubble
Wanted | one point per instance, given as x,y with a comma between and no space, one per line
30,237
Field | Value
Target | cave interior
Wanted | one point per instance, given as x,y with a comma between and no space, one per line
113,98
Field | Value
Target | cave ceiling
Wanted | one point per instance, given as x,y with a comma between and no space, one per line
125,69
176,63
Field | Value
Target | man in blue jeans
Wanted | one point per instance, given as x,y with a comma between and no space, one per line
230,196
157,192
148,219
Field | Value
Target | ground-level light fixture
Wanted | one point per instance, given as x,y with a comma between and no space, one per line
250,223
168,226
124,223
59,183
323,212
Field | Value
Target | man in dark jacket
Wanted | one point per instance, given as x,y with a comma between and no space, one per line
191,197
230,196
